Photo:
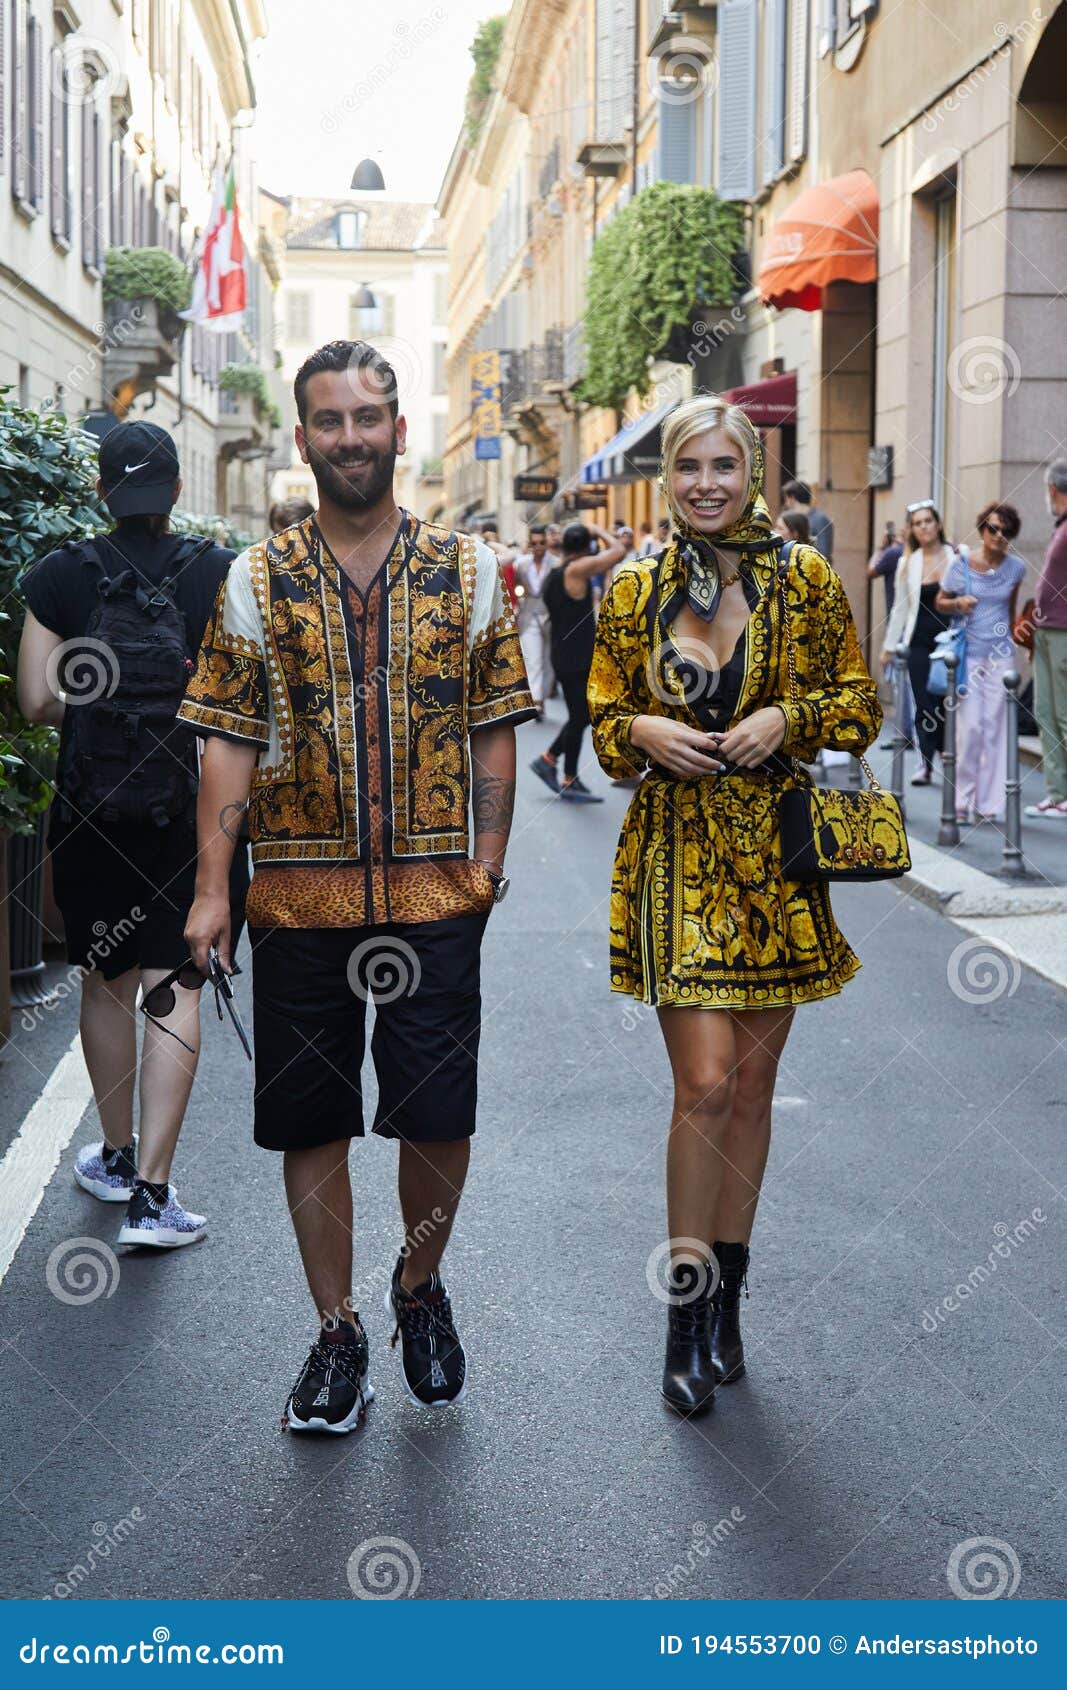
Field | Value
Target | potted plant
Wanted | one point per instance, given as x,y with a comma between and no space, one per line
665,260
249,379
144,290
47,473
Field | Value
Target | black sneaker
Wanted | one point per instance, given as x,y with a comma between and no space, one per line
435,1368
332,1392
546,771
578,793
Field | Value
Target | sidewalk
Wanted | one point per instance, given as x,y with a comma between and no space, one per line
1024,917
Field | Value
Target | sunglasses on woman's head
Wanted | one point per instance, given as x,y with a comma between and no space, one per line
923,505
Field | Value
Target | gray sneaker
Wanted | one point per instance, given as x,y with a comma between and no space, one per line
159,1222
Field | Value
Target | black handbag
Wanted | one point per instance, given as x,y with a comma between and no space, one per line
831,835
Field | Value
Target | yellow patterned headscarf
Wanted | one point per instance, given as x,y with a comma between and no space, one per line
749,536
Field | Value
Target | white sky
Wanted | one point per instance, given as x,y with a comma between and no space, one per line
333,85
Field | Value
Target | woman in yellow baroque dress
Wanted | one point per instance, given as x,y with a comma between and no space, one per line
690,682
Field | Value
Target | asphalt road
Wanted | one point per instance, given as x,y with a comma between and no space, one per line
919,1124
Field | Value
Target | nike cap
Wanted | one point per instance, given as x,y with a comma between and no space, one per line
138,469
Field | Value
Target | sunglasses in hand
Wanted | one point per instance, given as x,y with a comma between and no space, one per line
159,1001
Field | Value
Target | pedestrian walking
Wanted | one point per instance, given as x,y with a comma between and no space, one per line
647,544
568,596
690,678
112,630
916,622
882,564
1050,652
984,592
793,525
532,569
346,665
797,496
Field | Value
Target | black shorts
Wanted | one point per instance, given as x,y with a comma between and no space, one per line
309,999
125,895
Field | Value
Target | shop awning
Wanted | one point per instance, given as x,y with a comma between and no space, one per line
829,234
768,403
632,454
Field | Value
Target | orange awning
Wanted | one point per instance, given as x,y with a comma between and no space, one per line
829,234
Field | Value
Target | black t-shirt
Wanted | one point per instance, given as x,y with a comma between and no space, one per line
62,590
573,625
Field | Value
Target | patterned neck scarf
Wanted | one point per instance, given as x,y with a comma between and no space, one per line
750,536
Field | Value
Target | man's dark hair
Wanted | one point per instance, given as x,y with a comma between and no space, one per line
663,522
798,490
150,526
358,356
538,528
577,540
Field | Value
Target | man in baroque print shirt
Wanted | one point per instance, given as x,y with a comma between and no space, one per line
348,660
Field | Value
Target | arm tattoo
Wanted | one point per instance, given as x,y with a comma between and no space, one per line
494,800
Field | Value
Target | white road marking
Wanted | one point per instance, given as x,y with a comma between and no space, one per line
33,1155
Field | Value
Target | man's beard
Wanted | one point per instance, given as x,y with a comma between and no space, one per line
334,485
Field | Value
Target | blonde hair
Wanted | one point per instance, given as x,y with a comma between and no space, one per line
699,416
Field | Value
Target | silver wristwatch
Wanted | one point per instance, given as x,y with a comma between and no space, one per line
501,882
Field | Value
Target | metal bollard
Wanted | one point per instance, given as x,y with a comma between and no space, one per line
1013,864
900,742
949,831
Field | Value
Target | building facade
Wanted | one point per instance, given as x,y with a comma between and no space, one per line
114,114
897,328
370,270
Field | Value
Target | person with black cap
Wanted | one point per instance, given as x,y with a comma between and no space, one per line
112,629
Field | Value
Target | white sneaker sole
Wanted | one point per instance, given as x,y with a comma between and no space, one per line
439,1402
161,1237
97,1188
348,1424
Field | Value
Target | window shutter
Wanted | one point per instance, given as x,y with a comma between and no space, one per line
737,99
605,18
87,220
100,209
773,149
677,138
58,119
37,128
799,33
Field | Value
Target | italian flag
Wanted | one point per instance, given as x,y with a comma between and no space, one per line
220,289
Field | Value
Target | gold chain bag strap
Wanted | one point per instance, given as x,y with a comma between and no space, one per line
831,835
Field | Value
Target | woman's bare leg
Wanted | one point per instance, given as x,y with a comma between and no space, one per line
166,1078
700,1045
759,1039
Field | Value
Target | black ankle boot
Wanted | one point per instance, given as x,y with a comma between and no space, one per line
727,1353
688,1372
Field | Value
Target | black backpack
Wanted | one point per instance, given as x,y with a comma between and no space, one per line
125,759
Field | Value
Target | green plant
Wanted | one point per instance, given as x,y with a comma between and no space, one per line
249,378
48,469
485,51
218,528
139,272
669,253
